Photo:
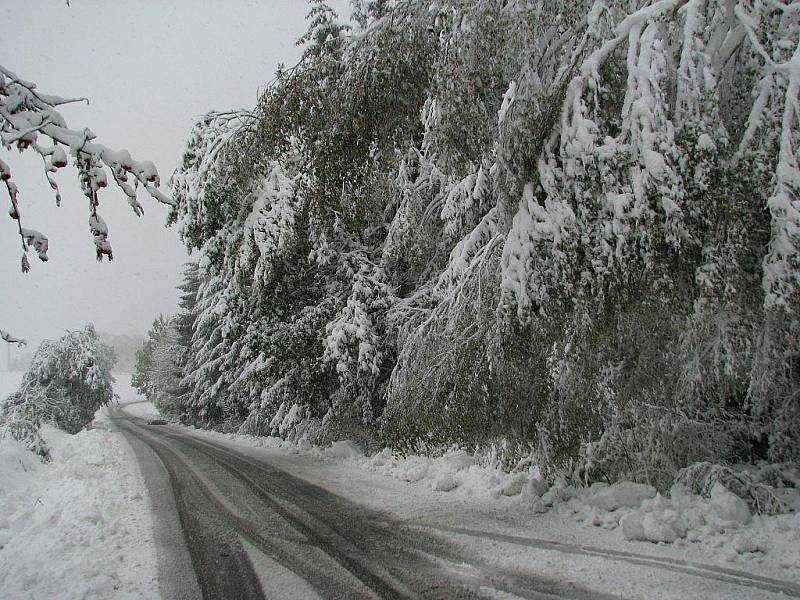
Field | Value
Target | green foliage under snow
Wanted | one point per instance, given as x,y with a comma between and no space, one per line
67,381
551,228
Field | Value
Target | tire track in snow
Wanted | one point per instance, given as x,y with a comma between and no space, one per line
741,578
387,541
341,549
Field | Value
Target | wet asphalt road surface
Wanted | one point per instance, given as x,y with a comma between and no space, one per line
230,526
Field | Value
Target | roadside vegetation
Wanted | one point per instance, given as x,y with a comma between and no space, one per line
68,380
560,233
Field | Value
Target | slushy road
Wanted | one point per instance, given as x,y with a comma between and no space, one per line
230,526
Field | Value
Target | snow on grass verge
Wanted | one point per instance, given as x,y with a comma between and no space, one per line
77,527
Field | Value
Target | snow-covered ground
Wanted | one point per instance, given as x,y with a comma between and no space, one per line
89,507
78,527
513,521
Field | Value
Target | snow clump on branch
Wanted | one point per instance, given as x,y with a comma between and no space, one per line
27,116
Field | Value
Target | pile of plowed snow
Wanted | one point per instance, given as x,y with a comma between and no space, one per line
78,527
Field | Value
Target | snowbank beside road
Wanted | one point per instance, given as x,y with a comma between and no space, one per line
452,489
78,527
720,528
470,503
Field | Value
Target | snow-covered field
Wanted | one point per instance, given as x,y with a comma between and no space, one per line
78,527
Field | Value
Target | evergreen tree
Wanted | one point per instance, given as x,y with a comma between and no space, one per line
157,373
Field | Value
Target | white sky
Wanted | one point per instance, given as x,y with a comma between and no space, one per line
149,68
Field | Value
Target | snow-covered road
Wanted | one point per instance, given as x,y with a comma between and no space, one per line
330,529
303,522
246,520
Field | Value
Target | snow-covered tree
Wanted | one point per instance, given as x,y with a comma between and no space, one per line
157,373
198,209
623,232
567,228
31,121
355,342
67,381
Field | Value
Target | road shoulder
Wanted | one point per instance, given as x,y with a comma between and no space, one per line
561,544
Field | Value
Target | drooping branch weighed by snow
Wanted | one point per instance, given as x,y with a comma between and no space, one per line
27,115
11,339
710,36
782,263
563,219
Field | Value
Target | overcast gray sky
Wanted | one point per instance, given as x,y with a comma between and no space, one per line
149,68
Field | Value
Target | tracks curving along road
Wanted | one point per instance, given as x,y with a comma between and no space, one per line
231,526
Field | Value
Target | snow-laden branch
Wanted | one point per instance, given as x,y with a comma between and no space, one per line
750,23
11,339
782,263
27,114
628,176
